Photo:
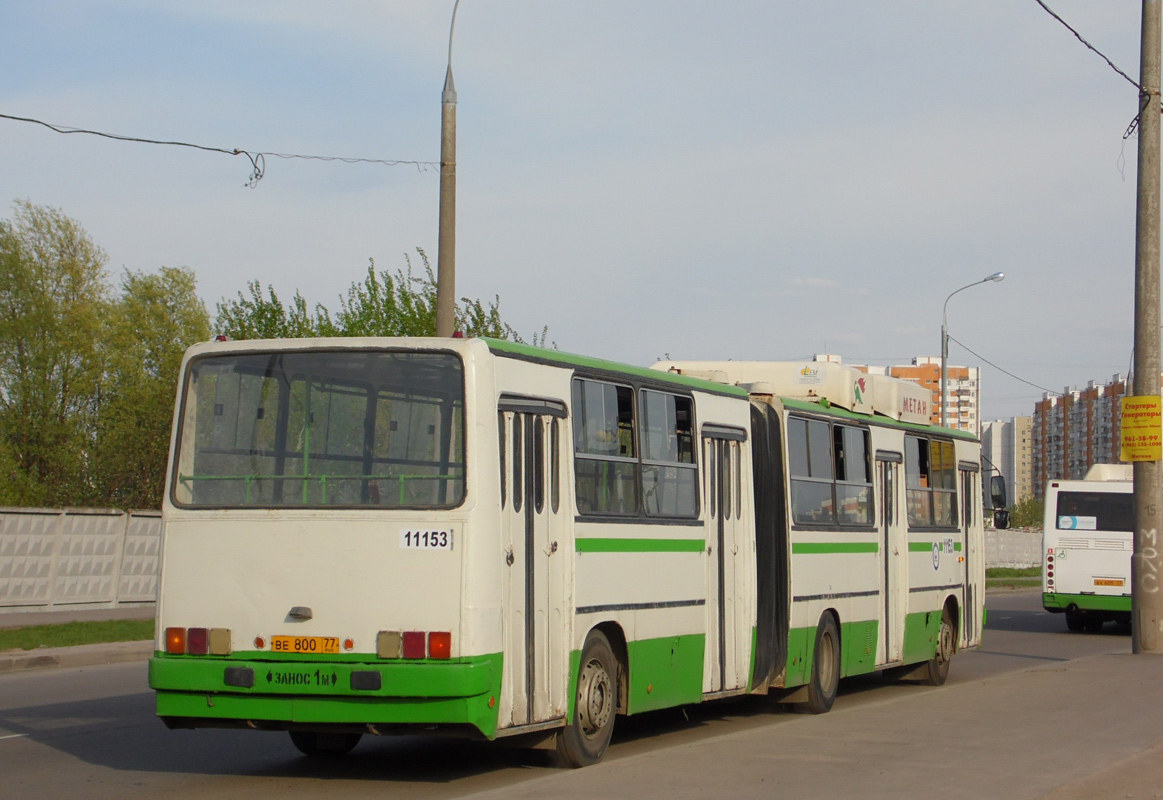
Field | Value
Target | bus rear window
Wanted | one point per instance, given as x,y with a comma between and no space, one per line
322,429
1096,511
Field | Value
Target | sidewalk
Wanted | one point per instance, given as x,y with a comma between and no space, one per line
82,655
1085,729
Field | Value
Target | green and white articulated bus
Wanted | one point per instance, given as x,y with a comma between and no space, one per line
474,537
1087,543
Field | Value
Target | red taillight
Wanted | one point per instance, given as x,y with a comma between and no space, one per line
176,641
198,641
413,644
439,644
259,643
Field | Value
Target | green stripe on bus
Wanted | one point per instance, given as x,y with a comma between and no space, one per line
927,547
1087,602
595,545
834,547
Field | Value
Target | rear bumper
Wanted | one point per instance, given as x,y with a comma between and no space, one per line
1057,603
201,691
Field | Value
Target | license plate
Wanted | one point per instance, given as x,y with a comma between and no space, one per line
1108,581
304,644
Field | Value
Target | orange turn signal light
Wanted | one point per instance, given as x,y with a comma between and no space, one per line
176,641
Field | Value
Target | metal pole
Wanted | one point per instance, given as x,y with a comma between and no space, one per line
446,241
1147,562
944,355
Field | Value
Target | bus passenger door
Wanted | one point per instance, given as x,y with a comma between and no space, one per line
535,631
894,542
725,543
970,511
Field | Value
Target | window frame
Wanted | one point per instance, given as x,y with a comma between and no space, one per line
835,449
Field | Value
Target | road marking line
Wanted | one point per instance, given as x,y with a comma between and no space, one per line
13,736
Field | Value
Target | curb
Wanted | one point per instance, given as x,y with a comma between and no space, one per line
85,655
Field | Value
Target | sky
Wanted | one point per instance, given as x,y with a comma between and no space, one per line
698,180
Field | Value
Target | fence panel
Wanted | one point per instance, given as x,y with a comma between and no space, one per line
91,558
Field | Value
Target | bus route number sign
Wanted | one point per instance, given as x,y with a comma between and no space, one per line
426,539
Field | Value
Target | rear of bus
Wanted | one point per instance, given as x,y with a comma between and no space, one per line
315,529
1087,543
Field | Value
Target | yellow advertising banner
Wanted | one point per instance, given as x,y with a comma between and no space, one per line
1142,429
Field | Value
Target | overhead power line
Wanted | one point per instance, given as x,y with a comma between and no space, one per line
257,158
1078,36
999,369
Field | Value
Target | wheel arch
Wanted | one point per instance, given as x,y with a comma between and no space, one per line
617,638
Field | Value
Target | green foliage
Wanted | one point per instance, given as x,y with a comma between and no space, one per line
1027,513
87,380
53,298
70,634
156,319
399,303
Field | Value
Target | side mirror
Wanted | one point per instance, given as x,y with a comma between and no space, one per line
1001,519
997,492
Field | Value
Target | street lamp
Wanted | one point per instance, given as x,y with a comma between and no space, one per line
446,236
995,277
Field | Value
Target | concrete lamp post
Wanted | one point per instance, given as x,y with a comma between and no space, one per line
994,278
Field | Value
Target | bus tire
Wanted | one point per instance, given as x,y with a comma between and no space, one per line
324,745
937,668
1093,624
825,667
1074,621
584,741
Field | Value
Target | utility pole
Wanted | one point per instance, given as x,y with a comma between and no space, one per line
1147,561
446,241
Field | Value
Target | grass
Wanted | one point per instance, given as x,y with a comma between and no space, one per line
74,633
1006,577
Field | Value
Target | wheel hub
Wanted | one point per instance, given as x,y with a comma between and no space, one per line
595,698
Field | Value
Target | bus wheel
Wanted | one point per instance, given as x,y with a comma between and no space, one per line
584,741
825,667
1093,624
937,669
1074,622
324,745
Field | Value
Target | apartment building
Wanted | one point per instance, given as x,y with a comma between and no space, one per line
1075,430
1008,447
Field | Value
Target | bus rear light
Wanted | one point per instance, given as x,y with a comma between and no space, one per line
348,644
1050,574
176,641
414,644
220,642
440,644
198,641
259,643
389,644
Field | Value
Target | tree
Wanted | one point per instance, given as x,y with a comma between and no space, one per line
157,317
383,304
52,301
1027,513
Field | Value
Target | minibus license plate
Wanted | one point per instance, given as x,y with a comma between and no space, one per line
1108,581
304,644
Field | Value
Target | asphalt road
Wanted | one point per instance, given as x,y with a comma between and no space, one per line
93,731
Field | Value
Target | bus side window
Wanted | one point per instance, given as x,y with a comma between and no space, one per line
518,460
554,467
503,442
538,464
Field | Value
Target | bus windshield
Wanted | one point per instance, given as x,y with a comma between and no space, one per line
339,428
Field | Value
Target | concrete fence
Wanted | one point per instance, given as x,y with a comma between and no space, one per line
95,558
77,558
1018,548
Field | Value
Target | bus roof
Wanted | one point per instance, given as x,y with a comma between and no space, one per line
557,358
